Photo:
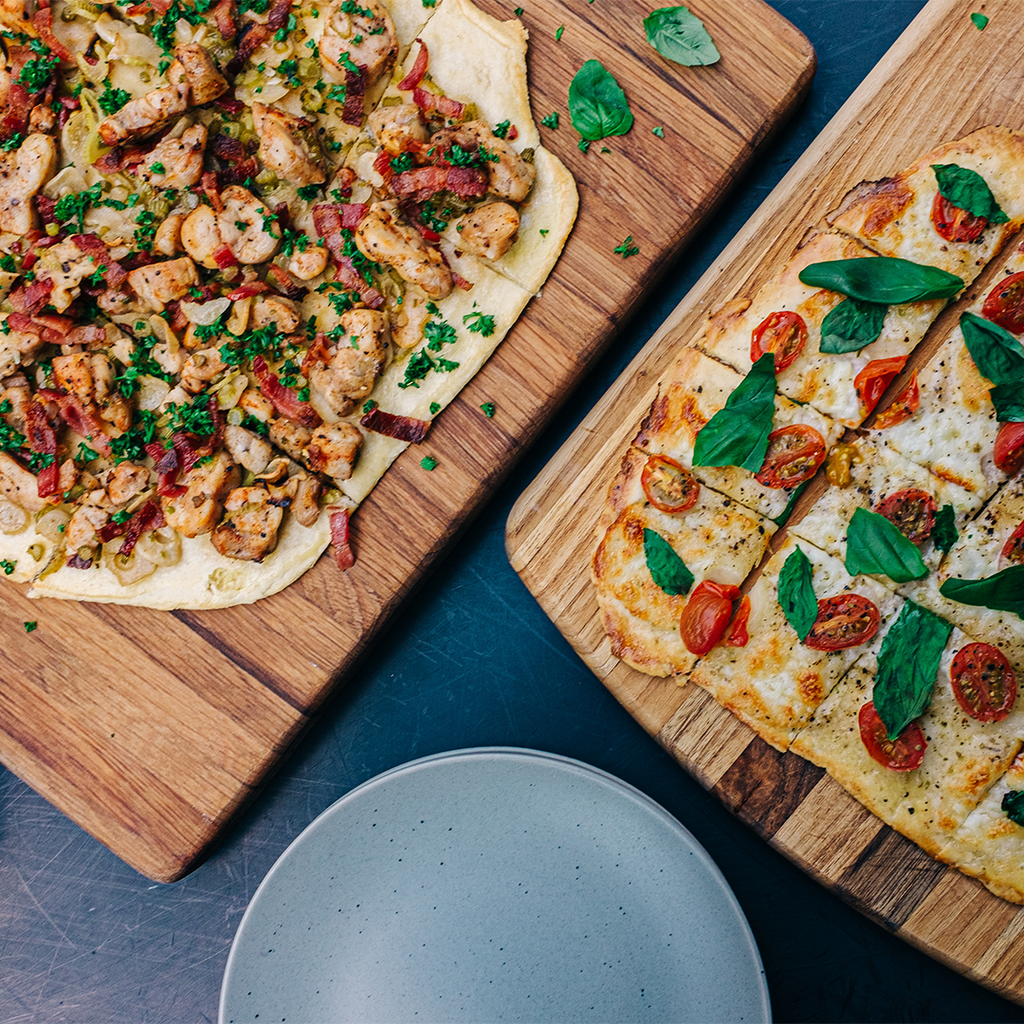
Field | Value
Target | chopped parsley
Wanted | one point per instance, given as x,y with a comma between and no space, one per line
428,462
488,408
158,168
438,333
435,408
659,131
308,192
501,129
259,342
14,142
369,405
7,565
35,75
85,453
400,163
131,445
479,323
121,516
551,121
625,249
111,100
75,205
558,33
193,418
29,626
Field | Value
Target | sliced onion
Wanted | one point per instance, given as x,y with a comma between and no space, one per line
162,546
13,518
152,391
52,523
203,314
128,569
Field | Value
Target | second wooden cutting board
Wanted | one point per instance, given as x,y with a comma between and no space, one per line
942,79
150,729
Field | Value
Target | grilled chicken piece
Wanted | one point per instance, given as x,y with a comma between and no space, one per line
363,34
181,160
288,146
356,360
160,283
23,173
249,528
199,509
19,486
205,82
383,237
149,114
489,230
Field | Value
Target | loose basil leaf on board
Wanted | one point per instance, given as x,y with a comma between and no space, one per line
997,354
597,104
667,569
851,325
875,545
944,532
796,593
883,279
679,35
737,435
968,190
1008,399
1012,805
1003,592
908,662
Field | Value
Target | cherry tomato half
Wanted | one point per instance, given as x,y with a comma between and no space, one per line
1009,448
984,684
706,615
872,381
668,485
954,224
738,633
784,333
903,406
1013,549
794,455
845,620
912,511
902,754
1005,304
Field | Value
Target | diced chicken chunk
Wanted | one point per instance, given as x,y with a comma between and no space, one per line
127,480
245,226
149,114
160,283
247,448
175,163
309,263
394,127
489,230
363,34
288,146
356,360
383,237
199,509
23,173
19,486
249,528
205,82
333,449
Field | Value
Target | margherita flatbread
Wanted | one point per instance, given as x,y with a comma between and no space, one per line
882,636
248,252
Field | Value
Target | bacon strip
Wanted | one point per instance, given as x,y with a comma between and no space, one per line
43,21
329,221
418,70
223,16
343,554
31,298
166,467
355,90
420,183
78,418
285,400
92,245
404,428
429,102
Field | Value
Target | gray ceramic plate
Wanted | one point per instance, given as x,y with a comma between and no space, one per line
494,884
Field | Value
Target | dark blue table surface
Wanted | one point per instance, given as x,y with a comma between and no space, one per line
470,661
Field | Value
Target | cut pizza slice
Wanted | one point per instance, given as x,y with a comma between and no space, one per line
777,680
990,547
953,425
989,843
954,208
928,780
825,355
662,535
926,509
699,389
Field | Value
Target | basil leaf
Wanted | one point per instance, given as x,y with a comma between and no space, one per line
884,279
1012,805
908,662
597,105
944,532
796,593
1008,399
968,190
1003,592
875,545
851,325
997,354
737,435
667,569
680,35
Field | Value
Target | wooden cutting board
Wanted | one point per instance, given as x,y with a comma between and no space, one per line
150,729
942,79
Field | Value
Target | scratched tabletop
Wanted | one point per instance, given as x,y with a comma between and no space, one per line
471,661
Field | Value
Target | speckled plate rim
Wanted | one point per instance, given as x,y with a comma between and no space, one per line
333,817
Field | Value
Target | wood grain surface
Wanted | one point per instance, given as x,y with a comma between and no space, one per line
941,79
150,729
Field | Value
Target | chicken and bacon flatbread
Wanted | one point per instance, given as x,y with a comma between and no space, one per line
249,249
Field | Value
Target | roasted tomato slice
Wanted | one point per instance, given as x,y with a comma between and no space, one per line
912,511
794,455
739,635
1013,549
984,684
872,381
904,405
706,615
668,485
1009,448
784,333
954,224
902,754
845,620
1005,304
